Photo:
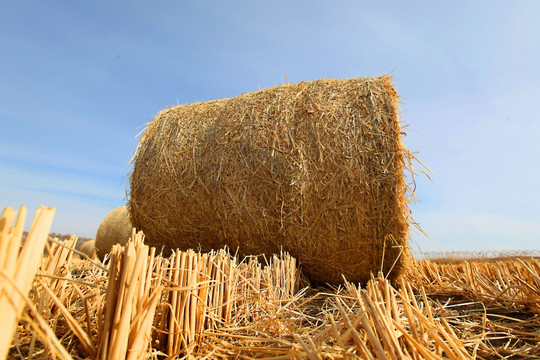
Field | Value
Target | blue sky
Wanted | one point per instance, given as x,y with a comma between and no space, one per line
78,81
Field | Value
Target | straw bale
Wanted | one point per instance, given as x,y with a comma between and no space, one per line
114,229
313,168
89,248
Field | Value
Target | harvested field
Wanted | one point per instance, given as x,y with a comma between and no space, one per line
457,257
213,305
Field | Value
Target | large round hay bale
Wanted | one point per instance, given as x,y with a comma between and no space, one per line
89,248
114,229
314,168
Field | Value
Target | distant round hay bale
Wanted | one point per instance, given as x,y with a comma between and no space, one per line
314,168
89,248
114,229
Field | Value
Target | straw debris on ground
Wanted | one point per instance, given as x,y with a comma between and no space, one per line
214,305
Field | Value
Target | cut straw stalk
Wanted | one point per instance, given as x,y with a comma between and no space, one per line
125,332
40,326
74,325
513,284
383,323
18,266
245,309
212,290
197,299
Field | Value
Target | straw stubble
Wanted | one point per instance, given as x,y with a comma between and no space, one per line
18,265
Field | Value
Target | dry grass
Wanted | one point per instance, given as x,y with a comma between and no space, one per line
496,303
211,305
460,257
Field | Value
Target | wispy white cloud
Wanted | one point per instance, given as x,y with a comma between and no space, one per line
81,201
76,217
453,232
24,176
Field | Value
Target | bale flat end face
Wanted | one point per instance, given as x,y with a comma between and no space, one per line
313,168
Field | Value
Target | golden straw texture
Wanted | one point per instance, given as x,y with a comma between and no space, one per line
313,168
130,302
213,305
18,265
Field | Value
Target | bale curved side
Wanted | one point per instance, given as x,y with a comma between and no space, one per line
89,248
114,229
314,168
